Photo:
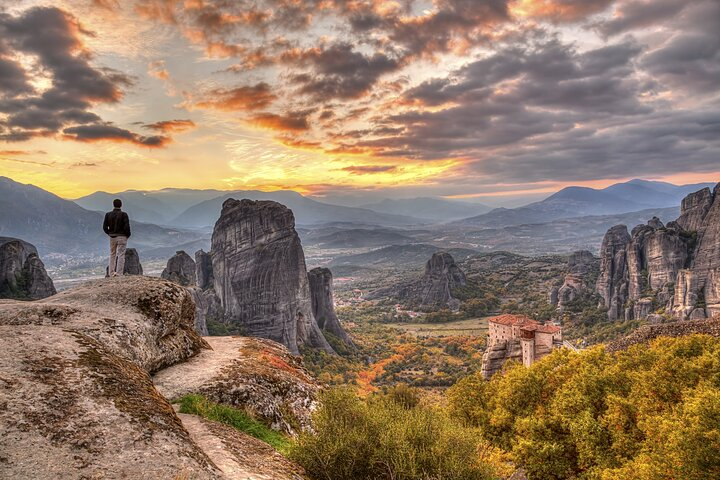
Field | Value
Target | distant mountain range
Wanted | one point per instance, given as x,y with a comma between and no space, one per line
306,210
560,236
201,208
58,226
575,214
435,209
159,206
573,202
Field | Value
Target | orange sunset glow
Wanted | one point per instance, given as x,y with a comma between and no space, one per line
453,98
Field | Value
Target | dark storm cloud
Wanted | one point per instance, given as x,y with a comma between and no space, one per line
690,59
340,72
633,14
103,132
661,144
514,95
54,38
13,80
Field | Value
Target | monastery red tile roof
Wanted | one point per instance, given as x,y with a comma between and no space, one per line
510,319
524,322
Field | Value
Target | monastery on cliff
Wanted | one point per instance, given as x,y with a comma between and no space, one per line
536,340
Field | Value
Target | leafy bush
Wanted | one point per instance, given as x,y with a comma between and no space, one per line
239,419
383,437
651,412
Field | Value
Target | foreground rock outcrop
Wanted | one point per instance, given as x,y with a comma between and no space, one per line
254,374
433,290
22,273
77,398
260,275
78,401
180,269
323,304
672,269
646,333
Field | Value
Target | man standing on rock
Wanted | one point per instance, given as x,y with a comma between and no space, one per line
117,227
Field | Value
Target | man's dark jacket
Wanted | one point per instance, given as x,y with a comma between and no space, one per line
117,223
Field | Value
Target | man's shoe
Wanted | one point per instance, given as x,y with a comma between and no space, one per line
114,274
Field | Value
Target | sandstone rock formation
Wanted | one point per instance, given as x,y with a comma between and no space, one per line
78,400
132,263
580,264
612,284
434,289
22,273
673,268
495,356
207,308
203,270
323,304
180,269
207,304
647,333
260,275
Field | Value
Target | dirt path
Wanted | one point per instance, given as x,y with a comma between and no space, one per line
237,455
184,378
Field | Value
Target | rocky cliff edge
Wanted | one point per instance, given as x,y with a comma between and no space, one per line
77,399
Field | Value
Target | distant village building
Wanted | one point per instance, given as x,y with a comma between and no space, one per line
518,337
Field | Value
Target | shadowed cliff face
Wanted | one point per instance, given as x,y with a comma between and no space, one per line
323,304
260,275
433,290
580,264
675,266
22,273
180,269
441,276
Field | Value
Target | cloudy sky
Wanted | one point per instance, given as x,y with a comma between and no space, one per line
474,99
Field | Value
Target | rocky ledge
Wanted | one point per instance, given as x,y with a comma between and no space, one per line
254,374
77,398
647,333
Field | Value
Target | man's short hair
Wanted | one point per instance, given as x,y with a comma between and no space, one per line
117,203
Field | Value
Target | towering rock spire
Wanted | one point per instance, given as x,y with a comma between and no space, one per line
22,273
180,269
323,305
260,275
675,267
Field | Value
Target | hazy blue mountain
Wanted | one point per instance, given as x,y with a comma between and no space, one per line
571,202
436,209
155,206
655,194
58,226
306,210
563,235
